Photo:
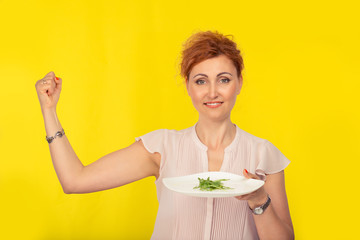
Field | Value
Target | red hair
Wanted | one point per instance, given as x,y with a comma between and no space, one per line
204,45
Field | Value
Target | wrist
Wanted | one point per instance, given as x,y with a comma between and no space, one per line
52,123
47,111
261,209
258,201
61,133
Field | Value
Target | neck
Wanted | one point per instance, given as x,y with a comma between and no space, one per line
215,135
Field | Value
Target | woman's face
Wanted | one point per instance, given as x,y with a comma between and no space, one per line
213,86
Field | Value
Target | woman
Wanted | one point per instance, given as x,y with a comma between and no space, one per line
211,67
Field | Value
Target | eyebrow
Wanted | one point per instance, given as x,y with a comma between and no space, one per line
201,74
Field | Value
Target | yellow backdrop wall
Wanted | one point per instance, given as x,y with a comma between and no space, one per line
119,65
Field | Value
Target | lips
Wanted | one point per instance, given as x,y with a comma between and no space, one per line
213,104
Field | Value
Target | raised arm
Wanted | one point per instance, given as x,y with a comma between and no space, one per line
116,169
113,170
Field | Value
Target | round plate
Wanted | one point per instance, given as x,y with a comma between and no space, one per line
239,184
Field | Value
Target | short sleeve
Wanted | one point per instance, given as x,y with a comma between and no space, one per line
271,160
153,141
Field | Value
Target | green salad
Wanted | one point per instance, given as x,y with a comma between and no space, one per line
209,185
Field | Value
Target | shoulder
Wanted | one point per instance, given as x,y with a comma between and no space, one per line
164,136
257,144
268,159
252,139
171,133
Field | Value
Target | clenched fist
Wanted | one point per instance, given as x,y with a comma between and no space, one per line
48,90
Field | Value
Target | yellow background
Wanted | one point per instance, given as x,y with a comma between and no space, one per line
119,65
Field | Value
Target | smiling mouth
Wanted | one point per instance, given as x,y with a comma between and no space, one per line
213,103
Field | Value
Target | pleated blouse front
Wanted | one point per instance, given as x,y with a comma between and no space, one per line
182,217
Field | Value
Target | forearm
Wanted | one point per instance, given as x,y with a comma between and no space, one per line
270,226
67,165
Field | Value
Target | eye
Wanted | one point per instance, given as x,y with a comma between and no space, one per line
200,82
225,80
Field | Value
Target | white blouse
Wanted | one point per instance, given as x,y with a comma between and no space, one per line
183,217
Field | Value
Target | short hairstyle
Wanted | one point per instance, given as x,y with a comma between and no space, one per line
205,45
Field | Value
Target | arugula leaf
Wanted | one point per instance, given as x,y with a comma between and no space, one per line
209,185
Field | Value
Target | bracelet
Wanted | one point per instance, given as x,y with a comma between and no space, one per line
57,134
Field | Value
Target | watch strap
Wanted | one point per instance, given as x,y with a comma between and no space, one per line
261,209
57,134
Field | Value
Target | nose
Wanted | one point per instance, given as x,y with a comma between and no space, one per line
213,91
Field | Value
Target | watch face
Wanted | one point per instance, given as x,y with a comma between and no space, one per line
258,210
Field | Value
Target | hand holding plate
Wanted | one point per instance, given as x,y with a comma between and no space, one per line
255,198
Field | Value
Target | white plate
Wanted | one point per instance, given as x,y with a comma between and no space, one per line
239,184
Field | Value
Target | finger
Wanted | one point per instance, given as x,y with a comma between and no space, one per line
239,197
50,78
58,82
44,89
243,197
49,82
46,80
249,175
53,84
50,90
40,84
50,74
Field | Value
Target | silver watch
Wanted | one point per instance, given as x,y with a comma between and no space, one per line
261,209
57,134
